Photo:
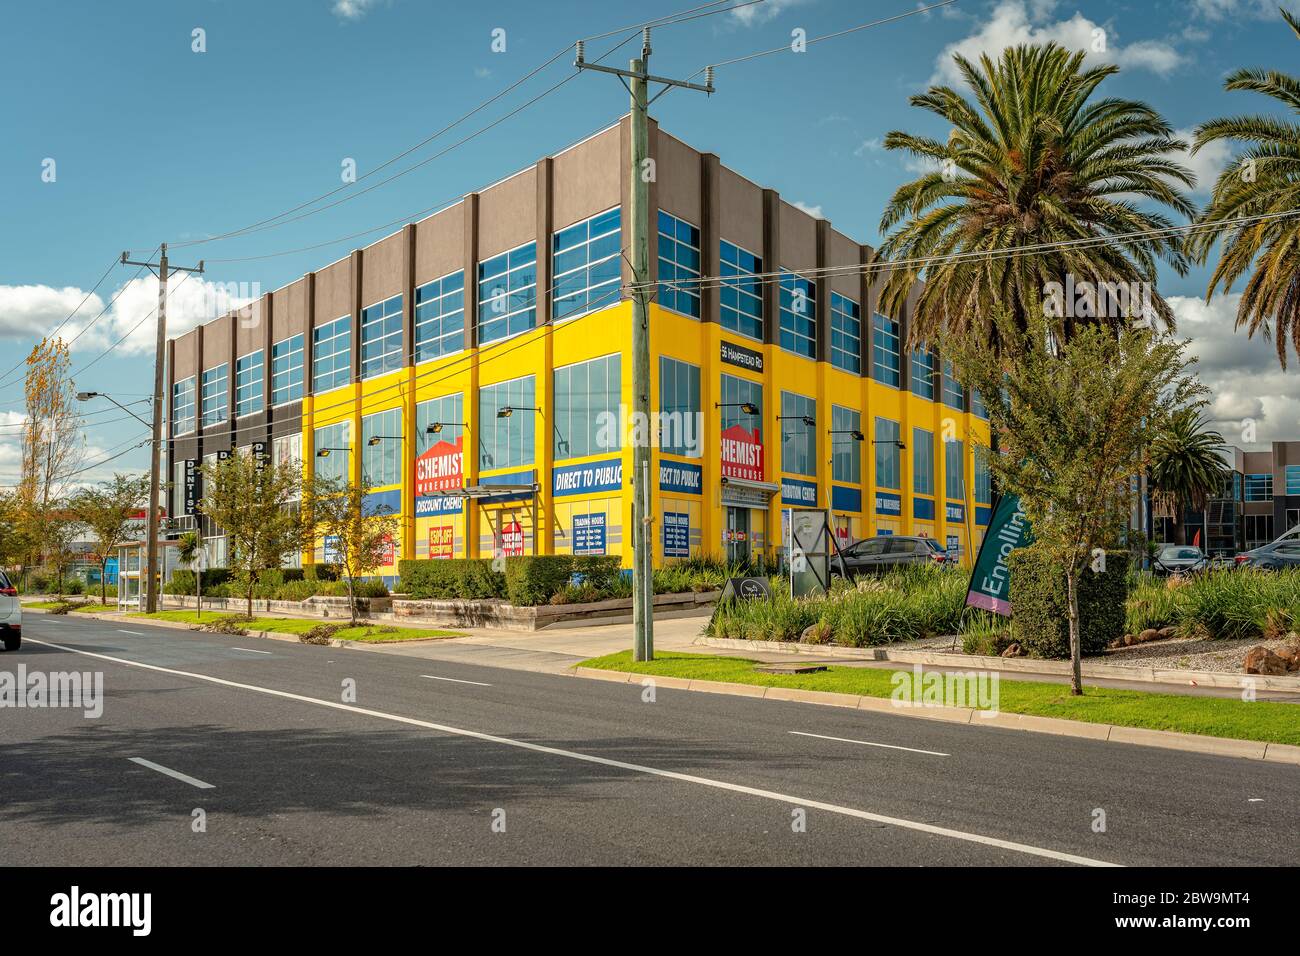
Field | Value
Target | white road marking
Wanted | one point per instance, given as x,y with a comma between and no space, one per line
868,743
249,650
788,799
136,633
184,777
455,680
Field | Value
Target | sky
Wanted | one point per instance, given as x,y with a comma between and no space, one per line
182,120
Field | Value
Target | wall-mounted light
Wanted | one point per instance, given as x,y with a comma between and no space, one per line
749,408
509,410
374,440
806,419
437,427
853,433
325,452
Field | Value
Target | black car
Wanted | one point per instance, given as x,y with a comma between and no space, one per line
1179,559
887,551
1280,554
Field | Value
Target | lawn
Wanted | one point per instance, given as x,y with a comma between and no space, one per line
368,633
50,605
1213,716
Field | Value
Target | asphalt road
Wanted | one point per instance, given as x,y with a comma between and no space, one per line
432,760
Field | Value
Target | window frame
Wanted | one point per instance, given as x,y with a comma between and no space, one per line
339,329
300,368
740,281
679,245
610,221
387,315
426,317
526,291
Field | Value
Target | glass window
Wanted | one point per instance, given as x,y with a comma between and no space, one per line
846,451
587,398
587,265
249,383
1292,476
506,439
736,392
889,455
798,437
741,292
337,440
679,261
448,412
977,405
214,398
954,469
507,293
846,334
286,370
381,463
440,317
983,480
886,364
954,396
381,337
1259,487
287,449
183,406
681,428
798,315
925,373
922,461
331,355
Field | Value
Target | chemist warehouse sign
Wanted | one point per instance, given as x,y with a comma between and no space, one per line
438,471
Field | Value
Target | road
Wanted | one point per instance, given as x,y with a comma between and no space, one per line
439,762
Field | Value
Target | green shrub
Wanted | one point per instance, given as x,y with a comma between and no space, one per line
320,572
1040,618
452,579
1151,603
182,581
74,586
532,580
38,582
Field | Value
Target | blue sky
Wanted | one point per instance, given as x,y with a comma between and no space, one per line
153,141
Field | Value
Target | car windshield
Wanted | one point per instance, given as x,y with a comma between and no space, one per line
934,545
1172,554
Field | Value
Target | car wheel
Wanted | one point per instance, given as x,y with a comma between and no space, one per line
12,641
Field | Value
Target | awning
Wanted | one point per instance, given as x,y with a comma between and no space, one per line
745,493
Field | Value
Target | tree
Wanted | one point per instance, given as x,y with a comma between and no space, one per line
188,546
357,537
1033,159
1074,421
109,512
1265,180
246,498
1187,467
59,529
15,543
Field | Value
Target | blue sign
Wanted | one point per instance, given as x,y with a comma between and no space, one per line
589,534
513,478
382,503
677,533
954,512
888,503
430,505
796,492
846,499
983,514
331,543
923,508
593,476
680,477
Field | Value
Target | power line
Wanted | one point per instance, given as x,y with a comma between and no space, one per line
128,332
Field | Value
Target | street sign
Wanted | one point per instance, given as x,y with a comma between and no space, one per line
746,588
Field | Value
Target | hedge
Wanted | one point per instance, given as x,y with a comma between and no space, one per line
1040,620
526,582
182,581
443,580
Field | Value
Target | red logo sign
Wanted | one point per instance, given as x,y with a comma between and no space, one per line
512,540
742,453
441,541
440,469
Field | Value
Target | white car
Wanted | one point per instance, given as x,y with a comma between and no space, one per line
11,614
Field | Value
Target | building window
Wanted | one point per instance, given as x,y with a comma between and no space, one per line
925,372
507,293
741,292
507,440
1292,476
954,469
337,439
954,396
922,462
846,451
889,456
977,405
886,363
846,334
1259,487
183,406
214,398
1258,530
331,355
798,315
587,265
587,397
681,428
287,450
381,463
736,392
798,437
983,480
249,384
381,337
176,497
448,412
679,261
286,370
440,317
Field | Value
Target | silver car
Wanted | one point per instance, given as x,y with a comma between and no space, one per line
11,614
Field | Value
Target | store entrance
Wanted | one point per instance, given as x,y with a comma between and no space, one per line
737,535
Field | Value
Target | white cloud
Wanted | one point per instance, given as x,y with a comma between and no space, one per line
352,9
814,211
759,13
1232,9
872,145
1209,161
1015,22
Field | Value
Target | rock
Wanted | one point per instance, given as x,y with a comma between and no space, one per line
1260,660
1167,632
1150,634
1128,640
819,633
1290,652
1013,650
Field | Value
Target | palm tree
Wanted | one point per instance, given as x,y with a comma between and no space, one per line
1187,467
1265,181
1032,159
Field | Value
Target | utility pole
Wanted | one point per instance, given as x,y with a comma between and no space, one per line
637,80
161,270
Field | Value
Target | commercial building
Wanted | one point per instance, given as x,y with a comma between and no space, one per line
474,370
1260,501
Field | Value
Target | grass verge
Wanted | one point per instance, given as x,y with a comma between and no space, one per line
1266,721
368,633
50,605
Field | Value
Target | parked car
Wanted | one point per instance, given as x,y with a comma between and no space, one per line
1284,553
886,551
1179,559
11,614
